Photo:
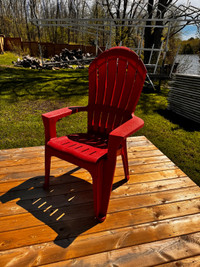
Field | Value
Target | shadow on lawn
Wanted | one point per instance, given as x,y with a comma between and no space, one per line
40,84
150,102
186,124
66,208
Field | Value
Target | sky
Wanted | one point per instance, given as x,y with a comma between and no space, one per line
189,31
195,3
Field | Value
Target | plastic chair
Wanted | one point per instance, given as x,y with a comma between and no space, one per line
116,79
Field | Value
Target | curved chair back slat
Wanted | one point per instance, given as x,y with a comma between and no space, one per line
116,79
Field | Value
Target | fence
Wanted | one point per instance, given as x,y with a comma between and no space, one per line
48,49
184,96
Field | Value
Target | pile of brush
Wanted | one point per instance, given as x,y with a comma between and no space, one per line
65,59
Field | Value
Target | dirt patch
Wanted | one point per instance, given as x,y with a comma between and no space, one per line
42,106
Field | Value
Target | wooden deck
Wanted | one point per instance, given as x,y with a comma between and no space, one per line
154,219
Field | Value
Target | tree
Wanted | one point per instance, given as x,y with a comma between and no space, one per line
187,49
119,11
153,36
134,22
156,13
190,46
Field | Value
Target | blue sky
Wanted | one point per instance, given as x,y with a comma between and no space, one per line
188,32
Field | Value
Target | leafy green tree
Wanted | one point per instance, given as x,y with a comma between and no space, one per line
187,49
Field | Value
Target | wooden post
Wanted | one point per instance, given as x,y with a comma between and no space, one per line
1,43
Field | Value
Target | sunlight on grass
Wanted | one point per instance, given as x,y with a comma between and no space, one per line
176,137
7,58
26,94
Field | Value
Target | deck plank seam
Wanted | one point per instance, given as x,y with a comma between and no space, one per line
7,169
112,229
114,212
117,197
113,249
123,248
171,167
75,182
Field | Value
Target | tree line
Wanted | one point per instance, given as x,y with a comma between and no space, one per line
190,46
16,16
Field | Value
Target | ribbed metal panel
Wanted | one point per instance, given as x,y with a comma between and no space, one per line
184,96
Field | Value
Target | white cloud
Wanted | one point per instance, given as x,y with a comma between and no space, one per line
195,3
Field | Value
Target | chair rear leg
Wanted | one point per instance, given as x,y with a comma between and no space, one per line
125,161
47,170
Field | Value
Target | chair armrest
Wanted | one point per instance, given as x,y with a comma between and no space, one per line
129,127
50,119
63,112
118,135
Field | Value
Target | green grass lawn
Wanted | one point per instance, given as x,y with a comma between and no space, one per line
7,58
25,94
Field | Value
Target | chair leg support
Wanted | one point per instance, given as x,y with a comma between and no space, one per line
125,161
47,170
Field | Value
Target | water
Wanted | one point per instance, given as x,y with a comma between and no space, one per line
188,64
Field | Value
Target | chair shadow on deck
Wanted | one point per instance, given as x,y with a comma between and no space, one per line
67,207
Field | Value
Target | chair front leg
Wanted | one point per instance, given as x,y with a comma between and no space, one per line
103,188
97,177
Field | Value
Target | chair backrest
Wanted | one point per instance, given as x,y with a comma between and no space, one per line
116,79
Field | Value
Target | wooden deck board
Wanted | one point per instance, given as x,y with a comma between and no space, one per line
154,219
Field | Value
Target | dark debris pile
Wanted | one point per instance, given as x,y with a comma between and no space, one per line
28,62
65,59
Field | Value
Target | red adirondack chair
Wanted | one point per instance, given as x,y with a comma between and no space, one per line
116,79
